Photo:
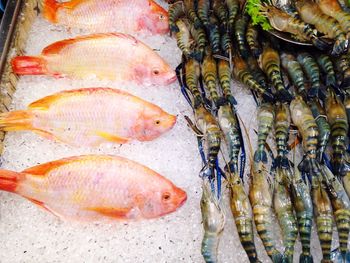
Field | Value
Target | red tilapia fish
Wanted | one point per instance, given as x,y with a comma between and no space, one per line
127,16
112,56
94,187
90,116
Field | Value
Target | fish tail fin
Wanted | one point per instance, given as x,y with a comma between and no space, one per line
50,8
16,121
9,180
260,155
306,259
26,65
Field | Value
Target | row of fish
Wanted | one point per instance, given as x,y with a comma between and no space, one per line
97,186
290,85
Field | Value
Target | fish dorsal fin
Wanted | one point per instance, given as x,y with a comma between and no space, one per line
46,102
58,46
43,169
72,4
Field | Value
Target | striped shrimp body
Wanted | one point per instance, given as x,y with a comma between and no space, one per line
184,39
220,11
266,117
224,72
341,208
242,214
285,215
229,125
200,40
295,72
261,201
191,13
256,72
252,39
343,63
226,43
213,223
203,11
270,63
282,124
284,22
176,11
302,117
214,34
312,72
323,217
302,203
232,8
333,9
323,127
192,73
210,76
242,74
207,124
240,30
338,121
326,65
312,14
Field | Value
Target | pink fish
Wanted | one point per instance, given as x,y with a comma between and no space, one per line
91,116
113,56
95,187
127,16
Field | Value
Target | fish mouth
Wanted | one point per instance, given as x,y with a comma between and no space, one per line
171,80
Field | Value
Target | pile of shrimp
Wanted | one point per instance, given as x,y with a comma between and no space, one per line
303,101
312,21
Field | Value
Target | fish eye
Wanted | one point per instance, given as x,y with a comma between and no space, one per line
157,122
155,72
161,17
166,196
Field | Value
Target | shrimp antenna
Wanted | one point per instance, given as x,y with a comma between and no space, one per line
248,138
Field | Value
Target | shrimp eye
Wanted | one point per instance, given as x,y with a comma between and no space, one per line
166,196
156,72
157,122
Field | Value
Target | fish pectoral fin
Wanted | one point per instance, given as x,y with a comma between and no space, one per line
112,138
111,211
43,206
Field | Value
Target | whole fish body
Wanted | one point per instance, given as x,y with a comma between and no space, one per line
114,56
109,15
95,187
91,116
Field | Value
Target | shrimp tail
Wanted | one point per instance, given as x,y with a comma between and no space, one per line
260,155
330,81
306,259
345,83
277,258
284,95
320,43
282,161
